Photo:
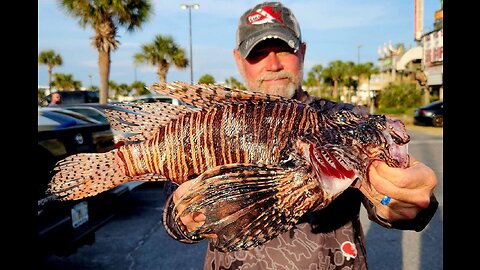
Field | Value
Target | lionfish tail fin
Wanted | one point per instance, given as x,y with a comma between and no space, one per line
84,175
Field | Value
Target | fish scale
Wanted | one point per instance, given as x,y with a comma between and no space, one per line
258,162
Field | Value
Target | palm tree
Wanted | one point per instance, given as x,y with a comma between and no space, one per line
335,72
163,53
51,59
232,82
104,16
63,81
139,88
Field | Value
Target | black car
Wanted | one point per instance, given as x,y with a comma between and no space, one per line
63,226
429,115
74,97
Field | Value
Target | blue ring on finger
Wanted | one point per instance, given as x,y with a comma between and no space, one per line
385,200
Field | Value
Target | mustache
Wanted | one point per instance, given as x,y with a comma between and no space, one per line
275,75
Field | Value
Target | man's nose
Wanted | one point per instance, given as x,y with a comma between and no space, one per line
273,63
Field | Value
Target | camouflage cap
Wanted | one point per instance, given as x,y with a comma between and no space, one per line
267,20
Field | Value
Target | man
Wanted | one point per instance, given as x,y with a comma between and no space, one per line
270,56
56,99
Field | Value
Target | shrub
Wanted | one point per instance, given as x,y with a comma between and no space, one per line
399,97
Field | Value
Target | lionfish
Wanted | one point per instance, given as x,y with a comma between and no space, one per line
258,161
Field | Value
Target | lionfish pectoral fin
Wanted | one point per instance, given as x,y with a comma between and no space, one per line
243,203
333,166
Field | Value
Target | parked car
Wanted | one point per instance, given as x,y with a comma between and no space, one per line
63,226
430,114
156,98
159,98
95,111
74,97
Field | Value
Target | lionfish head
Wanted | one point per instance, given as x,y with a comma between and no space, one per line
373,136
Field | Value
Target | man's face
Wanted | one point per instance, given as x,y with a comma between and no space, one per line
56,98
272,67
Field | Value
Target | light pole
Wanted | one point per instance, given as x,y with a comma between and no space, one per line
358,53
90,76
195,6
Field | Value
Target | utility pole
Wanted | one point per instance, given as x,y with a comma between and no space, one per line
189,7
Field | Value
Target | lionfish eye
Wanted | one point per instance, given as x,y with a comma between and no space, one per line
342,118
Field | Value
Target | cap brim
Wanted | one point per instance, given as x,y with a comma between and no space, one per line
249,43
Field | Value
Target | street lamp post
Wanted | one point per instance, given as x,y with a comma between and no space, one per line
358,53
189,7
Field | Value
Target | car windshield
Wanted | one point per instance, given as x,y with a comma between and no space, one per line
57,119
90,112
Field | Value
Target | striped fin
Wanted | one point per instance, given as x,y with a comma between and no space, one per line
208,95
249,204
143,119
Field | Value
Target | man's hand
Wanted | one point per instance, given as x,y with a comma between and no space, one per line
191,221
410,189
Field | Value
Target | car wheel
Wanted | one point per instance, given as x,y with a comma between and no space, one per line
437,121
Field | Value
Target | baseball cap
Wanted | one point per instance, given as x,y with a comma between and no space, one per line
267,20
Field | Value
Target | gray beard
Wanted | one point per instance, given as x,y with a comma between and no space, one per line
291,88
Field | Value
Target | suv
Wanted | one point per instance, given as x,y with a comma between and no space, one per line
63,226
74,97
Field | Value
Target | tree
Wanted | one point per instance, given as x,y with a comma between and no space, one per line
162,52
314,79
232,82
139,88
206,78
63,81
104,16
50,59
335,72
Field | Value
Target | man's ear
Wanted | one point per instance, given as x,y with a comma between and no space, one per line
237,56
238,60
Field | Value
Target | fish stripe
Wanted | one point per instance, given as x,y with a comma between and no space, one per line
148,157
254,125
246,129
205,150
156,151
223,149
261,123
168,145
211,139
219,139
271,129
198,147
183,127
161,153
192,138
237,135
284,130
228,123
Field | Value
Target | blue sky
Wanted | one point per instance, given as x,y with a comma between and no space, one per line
332,29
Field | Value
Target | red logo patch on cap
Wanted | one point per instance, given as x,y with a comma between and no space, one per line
349,250
264,15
